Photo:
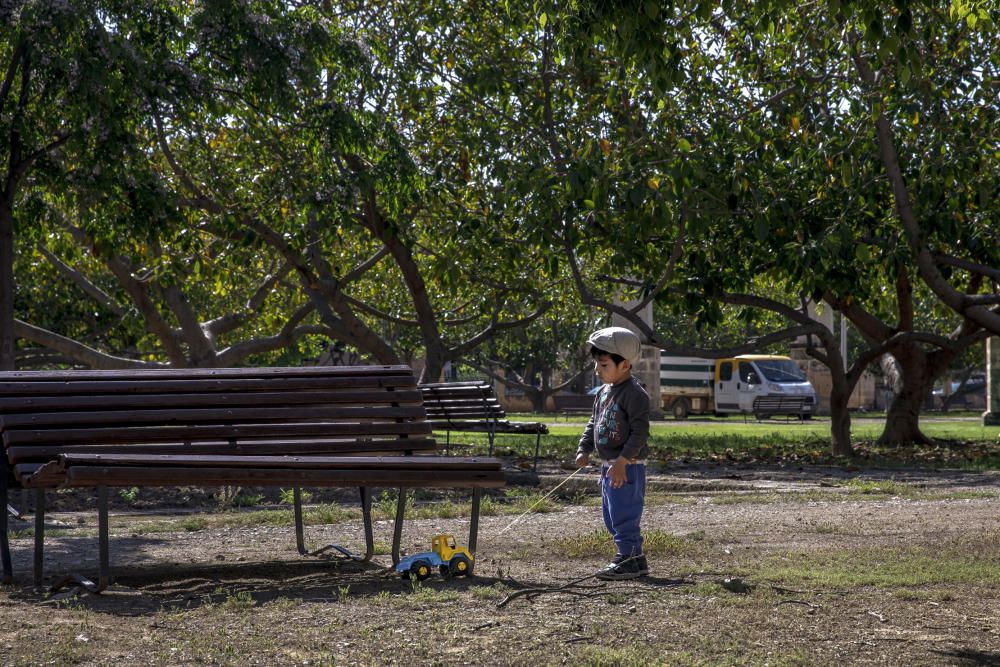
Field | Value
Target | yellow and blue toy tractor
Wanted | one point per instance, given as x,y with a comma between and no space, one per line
450,559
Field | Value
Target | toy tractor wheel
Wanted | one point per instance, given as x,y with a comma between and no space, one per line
459,566
420,570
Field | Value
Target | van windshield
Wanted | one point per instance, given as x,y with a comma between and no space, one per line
781,370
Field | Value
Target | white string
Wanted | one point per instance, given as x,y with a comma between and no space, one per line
539,502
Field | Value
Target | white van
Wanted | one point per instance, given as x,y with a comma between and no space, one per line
757,384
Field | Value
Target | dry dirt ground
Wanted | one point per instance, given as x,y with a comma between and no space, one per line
822,570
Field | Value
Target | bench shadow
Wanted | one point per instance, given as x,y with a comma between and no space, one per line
970,657
162,587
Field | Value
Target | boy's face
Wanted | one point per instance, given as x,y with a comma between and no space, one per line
610,373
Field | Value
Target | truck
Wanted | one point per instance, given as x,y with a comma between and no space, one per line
757,384
446,556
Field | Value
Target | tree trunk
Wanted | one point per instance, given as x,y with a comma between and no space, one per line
434,360
902,423
917,374
6,285
840,394
840,416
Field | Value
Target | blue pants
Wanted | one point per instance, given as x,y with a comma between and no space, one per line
623,508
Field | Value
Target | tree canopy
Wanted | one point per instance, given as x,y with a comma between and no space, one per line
218,183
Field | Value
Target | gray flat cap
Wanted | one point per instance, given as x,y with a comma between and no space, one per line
617,340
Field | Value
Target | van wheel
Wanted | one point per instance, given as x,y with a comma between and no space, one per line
681,408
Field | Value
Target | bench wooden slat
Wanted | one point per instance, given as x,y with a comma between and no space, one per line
41,387
502,426
74,402
89,476
71,376
179,416
319,462
288,448
211,432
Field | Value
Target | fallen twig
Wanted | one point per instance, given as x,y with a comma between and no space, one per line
532,593
483,626
569,588
808,604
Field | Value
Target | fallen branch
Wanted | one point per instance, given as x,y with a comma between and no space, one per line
808,604
569,588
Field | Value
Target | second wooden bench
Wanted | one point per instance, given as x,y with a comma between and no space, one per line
473,407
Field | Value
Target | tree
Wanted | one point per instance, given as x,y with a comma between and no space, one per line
107,71
67,97
778,178
372,234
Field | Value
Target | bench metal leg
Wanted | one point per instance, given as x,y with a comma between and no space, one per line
538,444
477,496
397,529
39,536
300,539
104,574
366,512
8,570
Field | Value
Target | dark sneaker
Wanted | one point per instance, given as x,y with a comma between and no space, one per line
624,567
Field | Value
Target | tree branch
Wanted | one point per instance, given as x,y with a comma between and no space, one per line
138,291
290,332
495,327
926,265
81,281
77,351
972,267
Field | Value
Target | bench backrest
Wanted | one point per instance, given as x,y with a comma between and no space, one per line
336,410
461,401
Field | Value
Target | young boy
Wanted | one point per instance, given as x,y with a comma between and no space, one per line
619,430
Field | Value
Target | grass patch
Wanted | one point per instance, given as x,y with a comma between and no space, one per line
531,500
964,444
602,656
968,561
496,592
193,524
853,490
423,595
885,487
657,498
598,544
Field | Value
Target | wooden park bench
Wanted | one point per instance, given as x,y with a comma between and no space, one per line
341,426
473,407
800,407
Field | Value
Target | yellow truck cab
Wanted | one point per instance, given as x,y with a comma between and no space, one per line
757,384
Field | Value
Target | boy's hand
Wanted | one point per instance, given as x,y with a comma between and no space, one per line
582,460
616,473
